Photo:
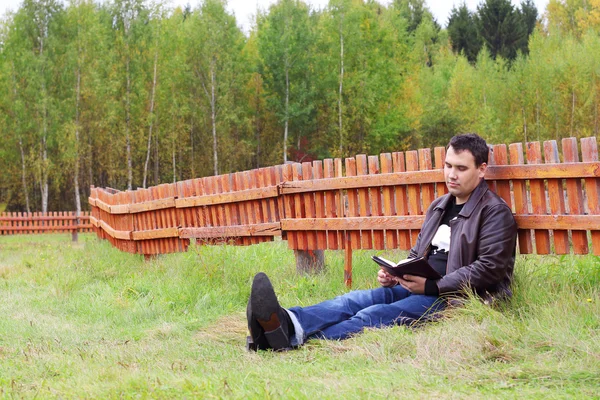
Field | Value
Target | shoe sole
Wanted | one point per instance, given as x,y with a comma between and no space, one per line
256,340
266,308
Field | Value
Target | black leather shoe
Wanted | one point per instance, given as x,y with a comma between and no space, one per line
257,340
264,309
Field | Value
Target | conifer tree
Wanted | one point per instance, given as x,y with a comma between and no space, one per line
463,32
501,27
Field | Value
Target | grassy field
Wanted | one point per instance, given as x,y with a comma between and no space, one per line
87,321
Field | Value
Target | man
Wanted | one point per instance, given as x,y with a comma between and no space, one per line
469,236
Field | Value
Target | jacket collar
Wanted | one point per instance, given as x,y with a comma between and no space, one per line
469,206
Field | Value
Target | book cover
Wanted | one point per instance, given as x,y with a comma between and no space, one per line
410,266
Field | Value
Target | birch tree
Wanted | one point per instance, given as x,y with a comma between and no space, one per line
284,41
156,18
216,46
129,19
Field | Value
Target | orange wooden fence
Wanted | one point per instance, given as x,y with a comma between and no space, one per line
15,223
374,202
240,208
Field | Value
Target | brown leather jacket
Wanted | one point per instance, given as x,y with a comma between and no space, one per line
482,244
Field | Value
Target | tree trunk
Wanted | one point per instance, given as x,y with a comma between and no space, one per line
151,117
127,120
156,157
21,150
287,107
192,148
213,116
23,175
44,151
44,144
257,122
174,164
538,122
90,148
572,111
76,166
341,86
309,261
524,124
595,107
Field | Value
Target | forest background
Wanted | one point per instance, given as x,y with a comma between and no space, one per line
129,93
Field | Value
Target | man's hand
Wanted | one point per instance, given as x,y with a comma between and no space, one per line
412,283
385,279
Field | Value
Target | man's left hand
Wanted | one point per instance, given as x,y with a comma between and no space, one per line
412,283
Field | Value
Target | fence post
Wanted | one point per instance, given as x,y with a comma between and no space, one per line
348,260
309,261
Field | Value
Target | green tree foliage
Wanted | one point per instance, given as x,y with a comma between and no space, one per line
215,57
414,12
503,28
529,15
499,25
463,32
127,93
285,38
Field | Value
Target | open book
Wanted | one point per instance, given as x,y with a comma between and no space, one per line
410,266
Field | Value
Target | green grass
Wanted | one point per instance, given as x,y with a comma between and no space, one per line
87,321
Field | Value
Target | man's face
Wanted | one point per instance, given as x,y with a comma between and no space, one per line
461,174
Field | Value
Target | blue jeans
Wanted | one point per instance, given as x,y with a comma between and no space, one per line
350,313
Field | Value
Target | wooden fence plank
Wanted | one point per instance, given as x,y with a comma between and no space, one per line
427,189
319,205
439,161
353,223
376,203
299,207
520,195
589,152
401,199
257,230
575,196
262,203
354,236
364,207
538,198
239,208
330,205
389,209
201,213
210,186
141,221
225,187
341,200
248,182
289,207
576,222
219,209
500,157
556,198
414,193
273,179
154,218
309,206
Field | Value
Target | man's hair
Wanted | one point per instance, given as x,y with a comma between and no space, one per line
473,143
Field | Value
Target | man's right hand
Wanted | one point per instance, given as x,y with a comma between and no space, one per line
385,279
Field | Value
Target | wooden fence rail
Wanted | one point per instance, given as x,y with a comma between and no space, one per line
18,223
364,202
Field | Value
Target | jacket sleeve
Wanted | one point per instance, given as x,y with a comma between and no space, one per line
495,253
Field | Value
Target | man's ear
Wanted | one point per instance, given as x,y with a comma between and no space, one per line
482,170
